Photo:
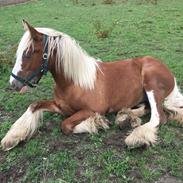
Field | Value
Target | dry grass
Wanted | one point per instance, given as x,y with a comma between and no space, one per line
103,31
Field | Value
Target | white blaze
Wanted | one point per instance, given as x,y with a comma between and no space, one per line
21,47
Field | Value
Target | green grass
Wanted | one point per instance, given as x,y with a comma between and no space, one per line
141,28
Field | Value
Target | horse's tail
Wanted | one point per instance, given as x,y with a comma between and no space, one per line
174,104
22,129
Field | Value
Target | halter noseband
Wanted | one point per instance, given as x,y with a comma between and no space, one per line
42,69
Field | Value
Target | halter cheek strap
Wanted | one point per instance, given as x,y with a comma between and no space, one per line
42,69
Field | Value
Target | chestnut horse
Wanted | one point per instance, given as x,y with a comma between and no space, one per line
85,86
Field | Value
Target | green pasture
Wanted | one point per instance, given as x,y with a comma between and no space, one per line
109,30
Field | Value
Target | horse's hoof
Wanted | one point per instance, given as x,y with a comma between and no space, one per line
8,144
123,121
66,129
142,135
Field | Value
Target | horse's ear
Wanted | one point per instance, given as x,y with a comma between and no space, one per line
33,32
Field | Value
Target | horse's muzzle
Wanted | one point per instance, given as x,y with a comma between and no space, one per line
17,85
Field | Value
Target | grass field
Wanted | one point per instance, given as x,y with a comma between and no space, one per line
109,30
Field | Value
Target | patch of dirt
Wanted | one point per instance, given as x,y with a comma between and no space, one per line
135,175
2,157
4,115
11,2
15,172
116,140
57,145
65,142
168,179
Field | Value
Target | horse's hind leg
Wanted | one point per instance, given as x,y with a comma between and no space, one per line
147,133
157,87
158,82
174,105
27,124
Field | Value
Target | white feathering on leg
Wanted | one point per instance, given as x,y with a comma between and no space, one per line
22,129
174,104
141,135
92,124
132,116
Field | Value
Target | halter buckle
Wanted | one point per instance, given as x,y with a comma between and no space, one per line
45,56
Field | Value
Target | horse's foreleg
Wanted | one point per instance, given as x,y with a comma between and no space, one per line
84,121
27,124
68,124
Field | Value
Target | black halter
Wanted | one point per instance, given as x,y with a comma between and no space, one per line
42,69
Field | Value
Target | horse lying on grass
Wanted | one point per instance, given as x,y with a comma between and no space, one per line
85,86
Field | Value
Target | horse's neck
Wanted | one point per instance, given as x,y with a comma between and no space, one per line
58,76
73,67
